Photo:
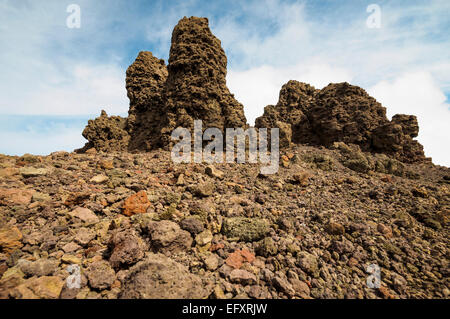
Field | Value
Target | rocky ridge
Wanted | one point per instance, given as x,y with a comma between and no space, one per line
342,113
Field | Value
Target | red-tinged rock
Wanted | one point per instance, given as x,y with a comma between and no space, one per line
215,247
385,230
15,196
235,260
248,256
385,293
9,171
136,204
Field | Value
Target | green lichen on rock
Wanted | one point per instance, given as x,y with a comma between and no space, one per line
245,229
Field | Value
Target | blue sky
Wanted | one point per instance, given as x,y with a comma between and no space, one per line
54,78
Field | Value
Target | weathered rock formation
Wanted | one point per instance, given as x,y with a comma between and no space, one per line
196,86
192,87
145,82
106,133
342,113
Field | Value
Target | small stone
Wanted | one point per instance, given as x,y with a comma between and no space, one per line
335,229
266,247
100,275
204,238
300,287
235,260
71,247
167,236
218,292
283,285
47,287
245,229
420,192
136,204
40,267
99,179
106,164
83,236
180,180
10,239
9,172
32,172
238,257
161,277
242,277
85,215
203,190
214,172
308,263
15,196
127,248
385,230
211,261
41,197
70,259
192,225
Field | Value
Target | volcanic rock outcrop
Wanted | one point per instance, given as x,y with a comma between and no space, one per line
193,87
342,113
162,98
106,133
145,82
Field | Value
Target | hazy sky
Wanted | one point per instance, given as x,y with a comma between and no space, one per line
53,78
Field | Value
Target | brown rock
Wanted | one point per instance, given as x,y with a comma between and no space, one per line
335,229
136,204
15,196
106,133
127,248
85,215
167,236
10,239
159,277
242,277
343,113
46,287
145,82
100,275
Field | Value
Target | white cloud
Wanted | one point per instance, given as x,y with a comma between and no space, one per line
84,89
418,94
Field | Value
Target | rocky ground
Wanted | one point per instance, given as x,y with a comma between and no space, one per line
140,226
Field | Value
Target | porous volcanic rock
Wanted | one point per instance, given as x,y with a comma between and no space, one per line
145,82
106,133
341,112
163,278
196,85
162,98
